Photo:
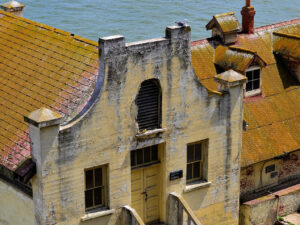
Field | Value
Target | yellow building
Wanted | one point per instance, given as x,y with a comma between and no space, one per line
269,57
116,131
133,133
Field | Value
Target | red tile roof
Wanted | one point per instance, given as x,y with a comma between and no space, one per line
40,66
274,117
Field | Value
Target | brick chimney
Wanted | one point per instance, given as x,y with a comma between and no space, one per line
248,14
13,7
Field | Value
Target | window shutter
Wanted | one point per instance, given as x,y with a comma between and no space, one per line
148,102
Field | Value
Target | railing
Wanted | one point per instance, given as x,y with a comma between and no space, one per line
179,212
130,216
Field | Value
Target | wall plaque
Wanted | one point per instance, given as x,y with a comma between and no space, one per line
176,174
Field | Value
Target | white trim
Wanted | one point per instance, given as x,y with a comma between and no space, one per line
93,215
196,186
253,68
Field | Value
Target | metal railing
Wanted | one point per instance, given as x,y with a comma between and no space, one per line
179,212
130,216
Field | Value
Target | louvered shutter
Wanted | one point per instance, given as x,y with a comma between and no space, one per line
148,102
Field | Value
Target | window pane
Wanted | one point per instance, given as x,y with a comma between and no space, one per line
189,171
89,179
196,169
139,156
154,153
98,177
88,198
249,75
98,196
270,168
256,84
147,155
198,152
249,86
190,153
256,74
133,158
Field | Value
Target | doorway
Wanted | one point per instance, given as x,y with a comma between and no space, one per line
145,188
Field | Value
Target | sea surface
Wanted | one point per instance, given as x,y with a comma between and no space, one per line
145,19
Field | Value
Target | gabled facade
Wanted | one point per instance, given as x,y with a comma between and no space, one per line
156,131
116,132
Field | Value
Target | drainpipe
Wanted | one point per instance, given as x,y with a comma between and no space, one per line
278,201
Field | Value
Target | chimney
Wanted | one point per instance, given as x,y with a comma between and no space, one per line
248,14
13,7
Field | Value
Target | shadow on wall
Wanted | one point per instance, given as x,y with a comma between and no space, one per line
287,78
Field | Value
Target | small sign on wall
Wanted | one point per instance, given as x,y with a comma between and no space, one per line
176,174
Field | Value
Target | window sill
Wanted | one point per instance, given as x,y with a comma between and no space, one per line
195,186
93,215
150,132
252,93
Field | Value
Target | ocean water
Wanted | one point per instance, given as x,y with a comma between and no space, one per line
145,19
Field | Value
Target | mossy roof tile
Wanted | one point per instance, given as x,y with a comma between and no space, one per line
40,66
227,22
274,117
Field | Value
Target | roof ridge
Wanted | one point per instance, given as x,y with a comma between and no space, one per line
223,14
257,29
242,49
275,25
286,35
50,28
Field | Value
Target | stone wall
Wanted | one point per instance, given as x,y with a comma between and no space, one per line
265,210
254,177
16,208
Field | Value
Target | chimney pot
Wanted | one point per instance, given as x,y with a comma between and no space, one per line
248,3
248,14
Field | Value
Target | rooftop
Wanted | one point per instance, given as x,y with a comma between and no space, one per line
40,66
273,117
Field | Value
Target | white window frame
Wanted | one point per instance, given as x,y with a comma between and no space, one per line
255,91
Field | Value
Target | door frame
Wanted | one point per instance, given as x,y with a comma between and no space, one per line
159,176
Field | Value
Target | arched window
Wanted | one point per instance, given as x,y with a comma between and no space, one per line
148,102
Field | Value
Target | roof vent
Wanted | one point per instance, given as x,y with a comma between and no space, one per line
13,7
225,26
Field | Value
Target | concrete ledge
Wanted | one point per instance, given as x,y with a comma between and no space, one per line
150,132
196,186
93,215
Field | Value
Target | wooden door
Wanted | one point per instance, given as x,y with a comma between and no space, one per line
145,192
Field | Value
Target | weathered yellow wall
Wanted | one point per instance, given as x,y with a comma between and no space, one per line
265,210
107,132
254,177
16,208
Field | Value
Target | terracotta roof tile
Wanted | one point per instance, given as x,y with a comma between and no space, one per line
273,118
40,66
